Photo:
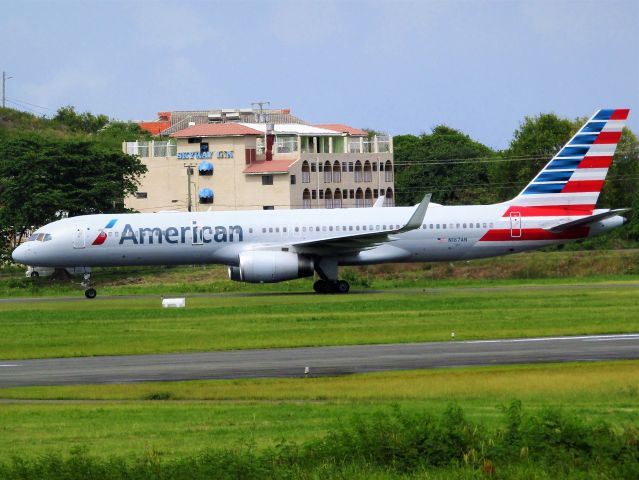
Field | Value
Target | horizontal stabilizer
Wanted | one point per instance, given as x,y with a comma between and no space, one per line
582,222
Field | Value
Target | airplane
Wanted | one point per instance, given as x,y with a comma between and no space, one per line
266,246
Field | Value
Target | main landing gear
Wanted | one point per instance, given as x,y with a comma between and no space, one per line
331,286
89,291
326,268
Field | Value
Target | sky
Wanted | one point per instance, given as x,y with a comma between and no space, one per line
397,66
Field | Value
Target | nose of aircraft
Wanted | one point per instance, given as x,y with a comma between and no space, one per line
21,254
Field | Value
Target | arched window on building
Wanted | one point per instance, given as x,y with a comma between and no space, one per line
359,198
328,172
337,198
337,172
358,171
306,172
328,198
306,198
389,201
368,171
368,198
388,171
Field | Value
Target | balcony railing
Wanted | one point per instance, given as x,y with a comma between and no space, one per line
286,145
152,148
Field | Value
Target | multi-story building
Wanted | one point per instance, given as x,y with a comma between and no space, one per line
236,160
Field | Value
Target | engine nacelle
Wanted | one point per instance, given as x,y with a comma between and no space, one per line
269,267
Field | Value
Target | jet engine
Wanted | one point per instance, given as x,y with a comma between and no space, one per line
270,266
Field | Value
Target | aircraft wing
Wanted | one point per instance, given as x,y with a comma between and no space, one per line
355,242
582,222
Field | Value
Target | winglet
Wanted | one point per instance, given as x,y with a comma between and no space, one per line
417,217
379,202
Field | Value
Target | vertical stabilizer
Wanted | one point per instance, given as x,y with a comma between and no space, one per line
574,177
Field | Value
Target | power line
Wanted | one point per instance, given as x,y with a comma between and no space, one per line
30,104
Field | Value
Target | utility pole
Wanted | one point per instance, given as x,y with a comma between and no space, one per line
4,81
189,171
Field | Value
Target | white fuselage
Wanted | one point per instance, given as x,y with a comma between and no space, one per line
448,233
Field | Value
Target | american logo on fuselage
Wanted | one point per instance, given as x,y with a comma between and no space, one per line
195,234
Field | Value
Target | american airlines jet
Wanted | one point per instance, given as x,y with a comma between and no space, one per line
272,246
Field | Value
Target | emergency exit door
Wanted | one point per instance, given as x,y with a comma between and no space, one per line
515,225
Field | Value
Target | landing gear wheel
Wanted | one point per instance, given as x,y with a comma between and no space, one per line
322,286
90,293
342,286
35,274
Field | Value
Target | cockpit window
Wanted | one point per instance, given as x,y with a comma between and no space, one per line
40,237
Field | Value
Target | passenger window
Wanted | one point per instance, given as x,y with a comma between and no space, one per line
376,227
330,228
303,229
317,229
277,229
263,230
437,226
477,225
384,226
364,227
491,224
350,228
431,226
284,229
270,230
297,229
250,230
323,228
443,226
458,225
483,225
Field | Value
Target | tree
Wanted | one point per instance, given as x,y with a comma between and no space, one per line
80,122
41,177
447,163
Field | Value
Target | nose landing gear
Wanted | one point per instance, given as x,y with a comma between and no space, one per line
89,291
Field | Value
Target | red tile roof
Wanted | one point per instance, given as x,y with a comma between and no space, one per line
340,127
216,130
272,166
154,128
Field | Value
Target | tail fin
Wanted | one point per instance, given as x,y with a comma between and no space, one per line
574,177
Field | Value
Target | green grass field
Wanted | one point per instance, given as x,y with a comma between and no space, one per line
115,420
540,294
135,326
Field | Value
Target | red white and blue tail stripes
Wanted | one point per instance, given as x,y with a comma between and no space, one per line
575,175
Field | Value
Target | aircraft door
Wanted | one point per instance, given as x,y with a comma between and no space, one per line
79,238
515,225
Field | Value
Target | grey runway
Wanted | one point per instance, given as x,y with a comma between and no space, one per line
291,362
